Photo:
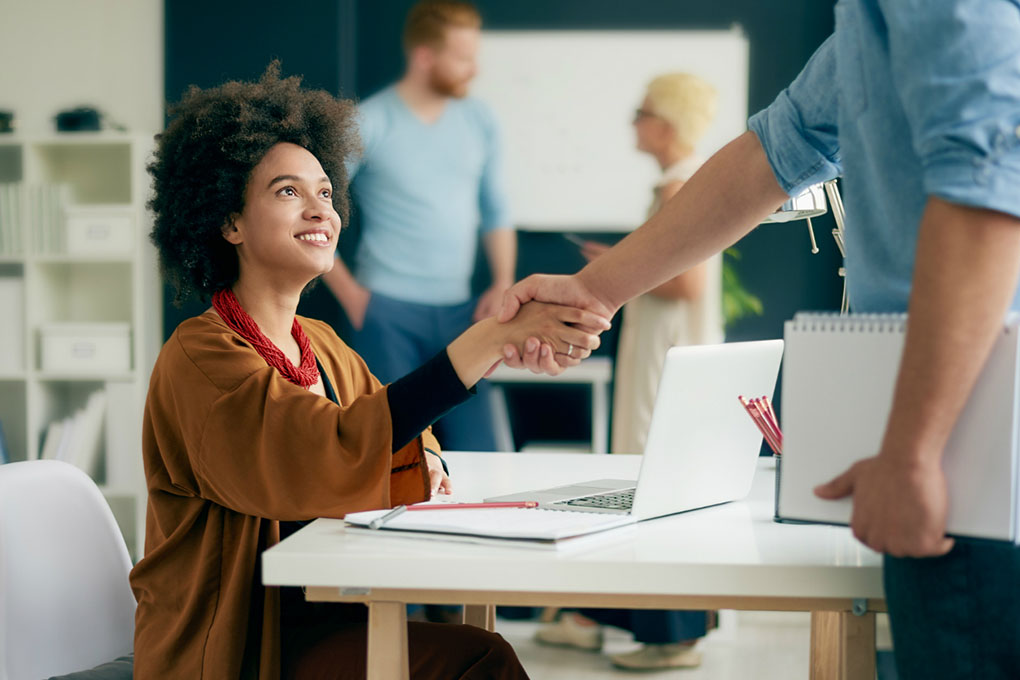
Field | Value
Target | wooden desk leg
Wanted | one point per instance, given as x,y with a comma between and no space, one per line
481,616
387,641
842,646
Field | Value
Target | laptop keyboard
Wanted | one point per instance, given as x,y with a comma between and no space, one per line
616,500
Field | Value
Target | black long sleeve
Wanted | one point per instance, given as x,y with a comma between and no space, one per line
423,396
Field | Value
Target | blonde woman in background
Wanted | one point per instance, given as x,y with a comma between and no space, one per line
687,310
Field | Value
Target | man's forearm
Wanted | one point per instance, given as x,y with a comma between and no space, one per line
501,251
965,275
728,196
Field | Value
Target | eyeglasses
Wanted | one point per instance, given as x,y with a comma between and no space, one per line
644,113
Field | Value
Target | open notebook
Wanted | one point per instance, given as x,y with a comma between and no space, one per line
512,524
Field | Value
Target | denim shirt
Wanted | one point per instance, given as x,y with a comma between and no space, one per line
907,99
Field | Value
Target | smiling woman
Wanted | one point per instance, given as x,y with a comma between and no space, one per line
202,166
288,227
258,420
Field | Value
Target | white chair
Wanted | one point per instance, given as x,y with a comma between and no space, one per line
65,602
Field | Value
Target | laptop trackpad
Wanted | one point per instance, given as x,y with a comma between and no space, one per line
563,492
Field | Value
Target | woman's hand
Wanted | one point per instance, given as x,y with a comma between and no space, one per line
567,290
566,335
571,334
439,481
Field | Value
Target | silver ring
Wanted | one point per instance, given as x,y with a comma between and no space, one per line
570,350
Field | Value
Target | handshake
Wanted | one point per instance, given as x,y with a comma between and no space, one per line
577,318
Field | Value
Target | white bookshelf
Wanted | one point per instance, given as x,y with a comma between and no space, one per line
56,286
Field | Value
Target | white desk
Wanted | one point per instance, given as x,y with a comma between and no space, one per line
594,371
728,557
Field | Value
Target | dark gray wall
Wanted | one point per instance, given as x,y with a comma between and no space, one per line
352,47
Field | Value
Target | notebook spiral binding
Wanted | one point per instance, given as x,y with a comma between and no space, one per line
832,322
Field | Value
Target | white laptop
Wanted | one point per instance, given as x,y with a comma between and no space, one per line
702,447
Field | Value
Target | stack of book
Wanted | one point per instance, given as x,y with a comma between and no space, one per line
46,205
35,212
76,439
12,200
12,328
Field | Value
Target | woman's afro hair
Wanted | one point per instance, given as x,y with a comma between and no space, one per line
204,159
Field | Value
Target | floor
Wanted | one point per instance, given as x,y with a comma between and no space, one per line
759,645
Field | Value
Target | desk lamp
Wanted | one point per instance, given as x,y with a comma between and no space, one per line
811,203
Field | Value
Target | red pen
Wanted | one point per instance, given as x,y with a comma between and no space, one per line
477,506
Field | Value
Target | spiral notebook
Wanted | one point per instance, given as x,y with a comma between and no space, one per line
511,524
838,380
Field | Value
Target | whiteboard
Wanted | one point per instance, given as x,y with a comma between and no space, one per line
565,100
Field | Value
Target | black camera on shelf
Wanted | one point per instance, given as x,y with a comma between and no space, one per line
81,119
6,121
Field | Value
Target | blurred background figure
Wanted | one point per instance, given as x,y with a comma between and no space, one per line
428,186
687,310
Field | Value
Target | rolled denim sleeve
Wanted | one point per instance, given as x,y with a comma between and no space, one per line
799,130
961,95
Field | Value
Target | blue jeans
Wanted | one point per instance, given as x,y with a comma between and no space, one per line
956,616
398,337
653,626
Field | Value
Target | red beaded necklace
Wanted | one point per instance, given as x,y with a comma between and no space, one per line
305,375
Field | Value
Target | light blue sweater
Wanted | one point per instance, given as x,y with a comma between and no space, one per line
425,192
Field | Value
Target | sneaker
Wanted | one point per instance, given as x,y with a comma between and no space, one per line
653,657
567,632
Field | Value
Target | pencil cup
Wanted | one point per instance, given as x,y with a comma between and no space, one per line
775,502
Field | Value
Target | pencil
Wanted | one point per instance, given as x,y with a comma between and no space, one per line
769,422
474,506
765,431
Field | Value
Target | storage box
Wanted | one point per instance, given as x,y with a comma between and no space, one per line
100,230
85,348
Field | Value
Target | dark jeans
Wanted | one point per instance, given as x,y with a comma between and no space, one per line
398,337
653,626
956,616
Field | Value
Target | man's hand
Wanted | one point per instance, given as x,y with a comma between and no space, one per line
560,290
592,250
355,306
491,301
899,508
351,295
439,481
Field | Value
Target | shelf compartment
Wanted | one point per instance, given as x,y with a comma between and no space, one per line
65,258
58,401
13,358
50,376
12,163
77,291
13,418
97,171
